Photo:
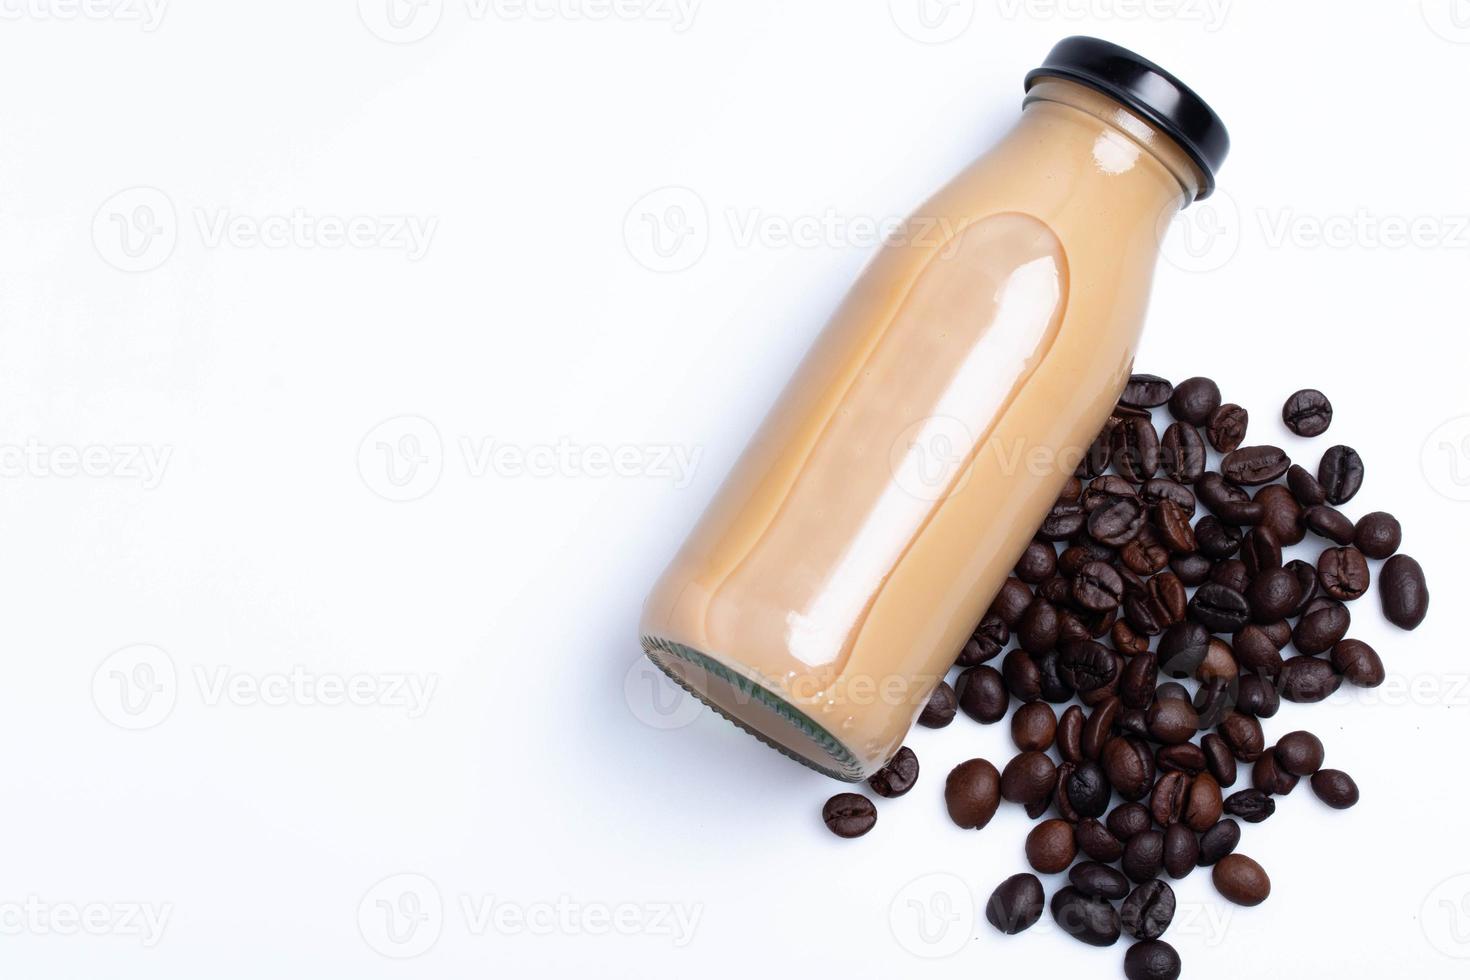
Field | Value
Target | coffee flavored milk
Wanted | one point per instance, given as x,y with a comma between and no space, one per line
862,535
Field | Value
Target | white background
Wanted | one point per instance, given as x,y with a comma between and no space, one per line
178,633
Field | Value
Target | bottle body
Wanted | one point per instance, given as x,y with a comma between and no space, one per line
851,552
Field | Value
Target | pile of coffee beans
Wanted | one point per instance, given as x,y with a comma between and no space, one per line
1152,569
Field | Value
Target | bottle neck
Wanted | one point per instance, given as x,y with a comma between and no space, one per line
1124,141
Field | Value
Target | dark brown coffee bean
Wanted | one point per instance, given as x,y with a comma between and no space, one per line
1106,490
1195,400
1259,551
1137,681
1128,641
972,793
1096,880
1358,662
1340,473
1181,851
898,776
1218,841
1069,734
1226,427
1037,631
1241,880
1129,820
1378,534
1129,766
1051,846
1054,688
1034,727
1254,465
1099,727
1086,789
1258,697
1307,680
989,639
1214,700
1323,623
1306,579
1273,595
1231,573
1307,412
1038,563
1152,959
1183,648
1192,569
1335,788
1172,721
1167,800
1182,452
1088,665
1099,455
1135,450
1029,778
1062,522
849,815
1011,602
1403,591
1143,856
1244,736
1148,910
1300,753
1343,573
1268,776
1146,391
1021,676
1174,531
1281,514
1304,487
1098,587
1280,632
1117,522
1219,759
1330,523
982,694
1016,904
941,707
1250,805
1097,842
1089,920
1219,608
1159,489
1185,757
1215,539
1169,690
1144,555
1227,501
1203,803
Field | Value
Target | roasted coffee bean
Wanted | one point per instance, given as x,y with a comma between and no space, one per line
1214,700
1226,427
1202,804
1170,597
1054,687
1166,803
1136,449
1335,788
1144,555
1273,594
1243,735
1257,697
1051,846
1097,842
1219,759
1219,608
1231,573
1063,803
1146,391
1029,778
1279,632
1089,920
1158,490
1340,473
849,815
1181,851
1088,791
1021,676
1193,569
1185,757
1063,521
1129,766
1137,681
982,694
1254,465
1037,631
1071,627
1219,663
1250,805
1152,959
989,639
1343,573
1129,820
1038,563
1099,455
1260,551
1307,412
941,707
1378,535
1323,623
972,793
1195,400
1011,602
1218,841
1281,514
1098,587
1404,593
1171,721
1216,539
1143,856
1069,734
1034,727
1304,486
1241,880
1133,722
1117,522
1268,776
1099,727
1182,452
1105,490
1097,880
1170,690
1183,648
1227,501
1306,578
1088,665
1128,641
1148,910
1330,523
1358,662
1300,753
898,776
1174,532
1307,680
1016,904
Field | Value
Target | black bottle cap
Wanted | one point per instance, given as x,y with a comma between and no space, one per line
1146,89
